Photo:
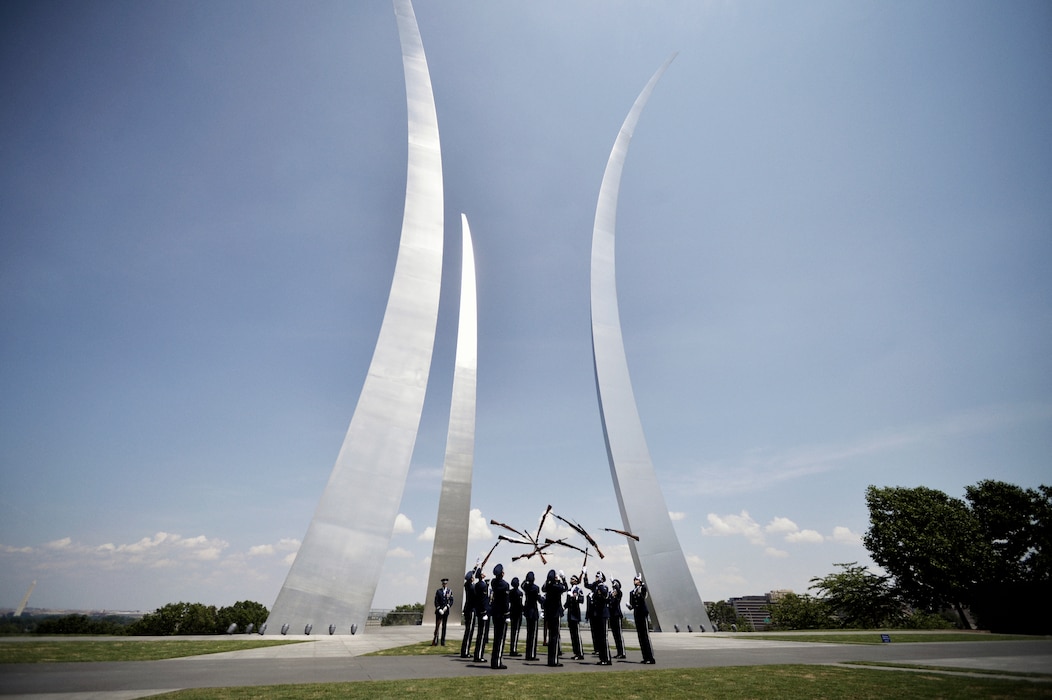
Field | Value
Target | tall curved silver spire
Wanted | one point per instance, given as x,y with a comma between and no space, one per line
658,555
449,552
335,574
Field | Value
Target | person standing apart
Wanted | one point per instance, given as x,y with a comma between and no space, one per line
515,620
553,590
469,614
500,606
443,604
532,594
637,603
616,616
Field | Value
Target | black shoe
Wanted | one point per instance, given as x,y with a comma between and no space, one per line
553,665
498,668
650,661
577,658
620,656
533,658
514,654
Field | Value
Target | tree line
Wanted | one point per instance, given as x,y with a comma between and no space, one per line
984,560
172,619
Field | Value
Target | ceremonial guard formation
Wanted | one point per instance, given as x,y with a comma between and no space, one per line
443,604
504,606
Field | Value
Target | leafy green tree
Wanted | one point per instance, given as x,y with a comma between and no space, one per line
859,598
800,612
931,543
81,624
178,618
242,613
404,615
723,615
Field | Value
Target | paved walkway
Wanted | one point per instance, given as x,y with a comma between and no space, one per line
325,659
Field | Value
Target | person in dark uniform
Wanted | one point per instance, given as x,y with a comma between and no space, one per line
637,603
553,590
443,604
600,615
481,615
469,614
574,598
515,619
500,607
616,616
532,594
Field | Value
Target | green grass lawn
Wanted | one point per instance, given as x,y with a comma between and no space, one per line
782,682
897,637
131,650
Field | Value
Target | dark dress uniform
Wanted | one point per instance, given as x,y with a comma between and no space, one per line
532,594
637,603
573,617
500,606
515,617
443,604
553,590
481,615
616,616
469,614
600,614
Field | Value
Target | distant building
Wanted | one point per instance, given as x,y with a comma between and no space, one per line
754,608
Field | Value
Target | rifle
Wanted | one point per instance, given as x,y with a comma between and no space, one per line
537,550
622,532
515,541
583,533
508,527
486,558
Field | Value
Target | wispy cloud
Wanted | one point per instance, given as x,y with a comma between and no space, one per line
761,469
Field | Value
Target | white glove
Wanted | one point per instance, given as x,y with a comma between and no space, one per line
485,617
561,574
584,570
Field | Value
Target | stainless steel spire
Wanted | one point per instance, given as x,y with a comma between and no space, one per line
450,550
658,555
335,574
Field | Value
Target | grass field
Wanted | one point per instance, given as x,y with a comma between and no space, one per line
131,650
782,682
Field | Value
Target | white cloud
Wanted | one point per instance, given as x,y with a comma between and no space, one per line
400,553
261,550
676,515
403,525
63,543
780,524
428,535
843,534
775,552
742,524
805,536
478,527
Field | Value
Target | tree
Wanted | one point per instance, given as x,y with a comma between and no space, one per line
931,543
404,615
178,618
242,613
800,612
723,615
858,598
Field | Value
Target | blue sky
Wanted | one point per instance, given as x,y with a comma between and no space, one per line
834,237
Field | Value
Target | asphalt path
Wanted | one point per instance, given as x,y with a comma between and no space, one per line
343,658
